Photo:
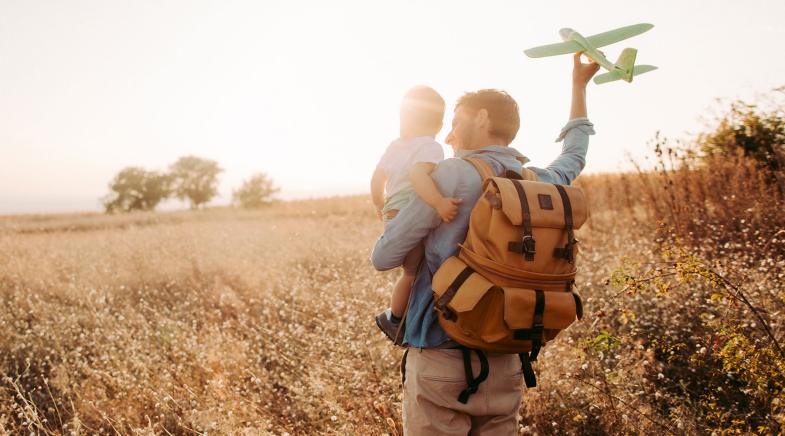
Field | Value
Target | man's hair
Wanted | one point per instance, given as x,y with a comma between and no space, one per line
502,111
422,109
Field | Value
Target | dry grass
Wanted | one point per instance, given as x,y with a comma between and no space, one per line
236,322
192,322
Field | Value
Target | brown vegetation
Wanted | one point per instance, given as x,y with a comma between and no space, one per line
231,321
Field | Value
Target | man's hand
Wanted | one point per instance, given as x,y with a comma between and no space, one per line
582,73
448,208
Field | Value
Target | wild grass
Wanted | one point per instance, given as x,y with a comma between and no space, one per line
260,322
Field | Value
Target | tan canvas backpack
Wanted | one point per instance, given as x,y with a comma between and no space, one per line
509,289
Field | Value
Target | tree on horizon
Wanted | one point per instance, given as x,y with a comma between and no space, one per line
195,179
135,188
255,192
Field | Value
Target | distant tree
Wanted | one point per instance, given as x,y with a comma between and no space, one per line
746,128
195,179
135,188
255,192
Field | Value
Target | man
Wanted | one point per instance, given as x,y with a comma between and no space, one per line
484,124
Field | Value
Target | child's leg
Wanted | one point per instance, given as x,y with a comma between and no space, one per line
400,295
403,287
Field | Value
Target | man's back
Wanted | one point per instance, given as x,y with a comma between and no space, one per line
458,178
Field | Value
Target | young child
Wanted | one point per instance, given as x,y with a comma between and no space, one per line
403,172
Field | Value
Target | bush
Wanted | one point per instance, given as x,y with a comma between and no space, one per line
255,192
757,131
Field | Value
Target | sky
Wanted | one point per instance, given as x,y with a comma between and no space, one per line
308,92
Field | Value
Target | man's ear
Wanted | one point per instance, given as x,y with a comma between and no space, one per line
481,119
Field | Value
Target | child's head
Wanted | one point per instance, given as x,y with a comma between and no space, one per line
422,112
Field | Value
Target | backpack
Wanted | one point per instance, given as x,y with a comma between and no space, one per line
509,289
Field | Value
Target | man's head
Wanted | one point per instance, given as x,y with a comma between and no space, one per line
422,112
482,118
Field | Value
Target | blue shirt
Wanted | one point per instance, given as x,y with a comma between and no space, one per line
458,178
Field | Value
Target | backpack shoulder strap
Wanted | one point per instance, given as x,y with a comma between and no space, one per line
528,174
482,167
486,172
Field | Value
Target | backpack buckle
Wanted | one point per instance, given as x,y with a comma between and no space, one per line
526,247
566,251
445,311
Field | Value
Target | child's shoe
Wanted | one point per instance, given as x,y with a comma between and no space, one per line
389,324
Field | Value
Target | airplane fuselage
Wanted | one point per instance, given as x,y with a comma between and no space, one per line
623,68
568,34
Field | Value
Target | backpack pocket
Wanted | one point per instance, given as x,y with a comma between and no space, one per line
476,313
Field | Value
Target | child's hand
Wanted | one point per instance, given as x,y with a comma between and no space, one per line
448,208
379,214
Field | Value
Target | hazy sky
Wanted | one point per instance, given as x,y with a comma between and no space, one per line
309,91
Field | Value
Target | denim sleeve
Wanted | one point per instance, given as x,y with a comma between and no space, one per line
414,222
565,168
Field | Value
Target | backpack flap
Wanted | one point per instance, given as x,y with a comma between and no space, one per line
544,203
457,288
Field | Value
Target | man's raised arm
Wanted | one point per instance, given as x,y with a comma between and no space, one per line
575,134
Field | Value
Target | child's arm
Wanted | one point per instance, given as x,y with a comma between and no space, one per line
425,187
378,180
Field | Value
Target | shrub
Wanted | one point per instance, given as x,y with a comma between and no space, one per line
255,192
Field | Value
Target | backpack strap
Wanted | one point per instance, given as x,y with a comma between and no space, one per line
527,174
472,382
486,172
482,167
528,371
566,251
526,246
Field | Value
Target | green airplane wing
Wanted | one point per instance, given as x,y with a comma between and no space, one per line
616,35
559,48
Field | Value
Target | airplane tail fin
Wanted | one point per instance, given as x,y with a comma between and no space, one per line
617,75
626,62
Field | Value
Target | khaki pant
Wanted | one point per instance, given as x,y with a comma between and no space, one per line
435,377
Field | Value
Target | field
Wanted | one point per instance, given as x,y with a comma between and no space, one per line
260,322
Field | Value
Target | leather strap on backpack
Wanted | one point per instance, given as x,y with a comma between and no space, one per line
472,382
566,252
482,167
528,371
441,304
526,246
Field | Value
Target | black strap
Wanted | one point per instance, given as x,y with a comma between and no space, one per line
566,251
534,333
447,296
403,366
578,305
528,371
473,383
539,308
526,246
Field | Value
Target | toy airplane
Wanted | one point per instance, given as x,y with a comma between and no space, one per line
624,68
